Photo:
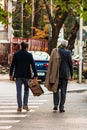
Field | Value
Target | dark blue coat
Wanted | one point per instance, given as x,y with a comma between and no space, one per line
65,63
21,65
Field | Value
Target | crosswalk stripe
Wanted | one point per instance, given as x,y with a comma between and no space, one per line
9,121
16,106
7,103
1,100
37,100
13,111
13,115
39,103
5,127
8,110
31,110
11,103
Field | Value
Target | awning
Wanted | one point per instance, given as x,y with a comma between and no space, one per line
4,41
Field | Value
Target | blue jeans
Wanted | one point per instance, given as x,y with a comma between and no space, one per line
19,82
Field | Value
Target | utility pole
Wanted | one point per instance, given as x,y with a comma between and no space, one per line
51,2
49,25
32,16
10,20
21,18
80,50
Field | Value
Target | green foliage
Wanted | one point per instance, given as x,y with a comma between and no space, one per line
17,19
78,6
28,8
3,16
67,25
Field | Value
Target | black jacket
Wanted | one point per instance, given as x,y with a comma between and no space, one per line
65,64
21,65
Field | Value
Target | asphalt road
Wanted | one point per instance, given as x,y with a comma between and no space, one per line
41,115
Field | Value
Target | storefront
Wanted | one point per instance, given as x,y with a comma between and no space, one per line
4,51
33,45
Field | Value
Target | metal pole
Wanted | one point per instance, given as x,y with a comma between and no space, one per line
9,20
49,25
80,51
51,2
32,15
21,19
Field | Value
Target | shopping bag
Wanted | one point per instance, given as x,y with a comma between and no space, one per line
35,87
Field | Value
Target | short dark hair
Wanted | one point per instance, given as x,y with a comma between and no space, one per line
24,45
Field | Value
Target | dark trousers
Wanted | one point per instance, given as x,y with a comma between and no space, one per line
60,96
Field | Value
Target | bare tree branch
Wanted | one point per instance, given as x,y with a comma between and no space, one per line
49,13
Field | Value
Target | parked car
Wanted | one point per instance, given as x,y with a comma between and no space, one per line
41,62
75,60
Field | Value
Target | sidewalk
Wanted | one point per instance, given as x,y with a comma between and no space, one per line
73,86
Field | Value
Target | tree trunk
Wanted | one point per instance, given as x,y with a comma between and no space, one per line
52,43
55,33
36,15
72,37
56,23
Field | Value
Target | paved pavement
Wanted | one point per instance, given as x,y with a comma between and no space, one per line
72,85
41,116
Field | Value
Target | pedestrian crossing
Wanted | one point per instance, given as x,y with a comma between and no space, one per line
9,114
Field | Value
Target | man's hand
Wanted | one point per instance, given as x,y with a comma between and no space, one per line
11,78
36,78
72,78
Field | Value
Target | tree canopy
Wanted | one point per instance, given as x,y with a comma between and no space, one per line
61,10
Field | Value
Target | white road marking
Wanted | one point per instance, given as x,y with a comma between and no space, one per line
31,110
13,111
8,107
31,102
16,106
9,121
5,127
19,115
12,103
37,100
8,110
33,106
39,103
8,103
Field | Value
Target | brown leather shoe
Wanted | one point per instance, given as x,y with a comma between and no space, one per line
19,109
26,108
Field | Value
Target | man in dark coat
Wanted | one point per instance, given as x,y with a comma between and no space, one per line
64,69
21,69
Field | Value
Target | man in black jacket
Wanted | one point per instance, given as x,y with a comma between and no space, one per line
20,68
64,69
